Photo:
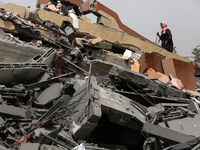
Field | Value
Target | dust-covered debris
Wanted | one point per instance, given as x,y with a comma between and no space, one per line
61,88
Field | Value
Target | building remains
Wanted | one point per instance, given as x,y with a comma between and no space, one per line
99,87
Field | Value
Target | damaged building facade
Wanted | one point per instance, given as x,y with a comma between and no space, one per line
100,87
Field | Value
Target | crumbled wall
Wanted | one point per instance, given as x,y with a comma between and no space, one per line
20,10
97,30
107,20
7,25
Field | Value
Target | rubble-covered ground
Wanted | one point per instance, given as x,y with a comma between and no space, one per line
60,88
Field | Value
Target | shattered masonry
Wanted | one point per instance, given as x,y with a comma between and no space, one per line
100,87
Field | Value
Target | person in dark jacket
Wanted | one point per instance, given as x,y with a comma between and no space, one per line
166,37
69,6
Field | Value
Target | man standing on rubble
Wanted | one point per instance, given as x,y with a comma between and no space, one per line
166,37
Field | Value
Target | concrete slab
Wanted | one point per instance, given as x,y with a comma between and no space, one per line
12,111
189,126
30,146
54,91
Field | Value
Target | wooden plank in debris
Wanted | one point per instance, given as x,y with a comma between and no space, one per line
98,39
153,74
164,78
185,72
181,70
150,60
168,67
135,67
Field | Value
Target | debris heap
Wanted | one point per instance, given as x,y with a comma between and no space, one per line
61,88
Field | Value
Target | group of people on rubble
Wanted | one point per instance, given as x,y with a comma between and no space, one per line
65,8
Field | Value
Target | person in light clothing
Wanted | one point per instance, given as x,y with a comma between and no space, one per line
74,17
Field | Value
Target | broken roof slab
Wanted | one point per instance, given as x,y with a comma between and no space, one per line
12,51
12,73
20,10
112,35
97,30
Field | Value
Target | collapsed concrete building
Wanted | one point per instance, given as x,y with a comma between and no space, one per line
102,86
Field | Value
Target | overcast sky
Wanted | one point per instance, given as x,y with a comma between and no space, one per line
144,16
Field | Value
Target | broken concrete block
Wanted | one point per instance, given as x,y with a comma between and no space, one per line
12,111
65,135
126,74
189,125
1,121
3,148
166,134
52,92
109,57
50,147
47,57
53,17
11,130
20,10
85,118
52,139
7,25
78,84
15,52
112,103
105,21
172,92
30,146
12,73
85,130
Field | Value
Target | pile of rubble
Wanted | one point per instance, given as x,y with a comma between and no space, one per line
65,89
